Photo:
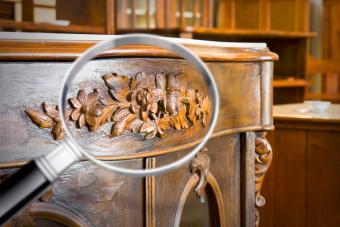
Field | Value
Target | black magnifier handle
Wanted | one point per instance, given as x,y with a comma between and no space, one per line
20,189
30,181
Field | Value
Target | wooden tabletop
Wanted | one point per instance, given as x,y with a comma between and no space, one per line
299,112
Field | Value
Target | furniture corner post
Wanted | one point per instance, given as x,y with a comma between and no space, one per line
263,158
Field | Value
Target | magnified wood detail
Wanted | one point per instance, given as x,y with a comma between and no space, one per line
200,165
146,104
263,158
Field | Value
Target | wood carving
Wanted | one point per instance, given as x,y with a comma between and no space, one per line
263,158
146,104
200,165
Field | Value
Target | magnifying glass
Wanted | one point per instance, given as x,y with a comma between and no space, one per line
31,180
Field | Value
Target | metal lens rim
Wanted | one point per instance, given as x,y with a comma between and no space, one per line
140,39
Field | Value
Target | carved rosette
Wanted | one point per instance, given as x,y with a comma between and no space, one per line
146,104
200,165
263,158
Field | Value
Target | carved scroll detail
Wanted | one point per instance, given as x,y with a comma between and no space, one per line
263,158
200,165
146,104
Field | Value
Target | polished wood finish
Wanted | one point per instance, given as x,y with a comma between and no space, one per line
223,175
302,187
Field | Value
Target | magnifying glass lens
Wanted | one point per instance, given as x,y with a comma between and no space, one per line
126,111
126,108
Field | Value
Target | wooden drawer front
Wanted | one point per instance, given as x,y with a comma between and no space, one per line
27,84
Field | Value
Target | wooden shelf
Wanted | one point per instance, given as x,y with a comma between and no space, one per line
289,83
44,27
249,32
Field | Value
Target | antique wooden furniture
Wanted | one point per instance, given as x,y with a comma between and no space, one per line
330,75
302,188
227,175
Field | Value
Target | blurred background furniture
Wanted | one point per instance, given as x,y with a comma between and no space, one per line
282,24
302,186
330,76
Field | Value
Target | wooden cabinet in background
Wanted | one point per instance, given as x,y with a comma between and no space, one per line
302,188
282,24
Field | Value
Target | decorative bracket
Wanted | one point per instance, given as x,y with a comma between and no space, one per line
200,165
146,104
263,158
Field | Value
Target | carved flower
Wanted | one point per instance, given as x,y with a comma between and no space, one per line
154,127
49,118
86,109
136,97
199,107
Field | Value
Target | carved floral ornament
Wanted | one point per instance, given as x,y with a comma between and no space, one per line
146,104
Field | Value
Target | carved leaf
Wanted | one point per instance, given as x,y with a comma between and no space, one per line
148,127
107,102
58,131
160,81
116,82
151,135
118,86
107,114
179,121
39,118
173,102
205,106
74,102
136,125
144,115
142,80
50,111
120,126
177,81
164,122
120,95
75,114
81,96
91,120
95,110
192,116
120,114
92,100
102,93
81,121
